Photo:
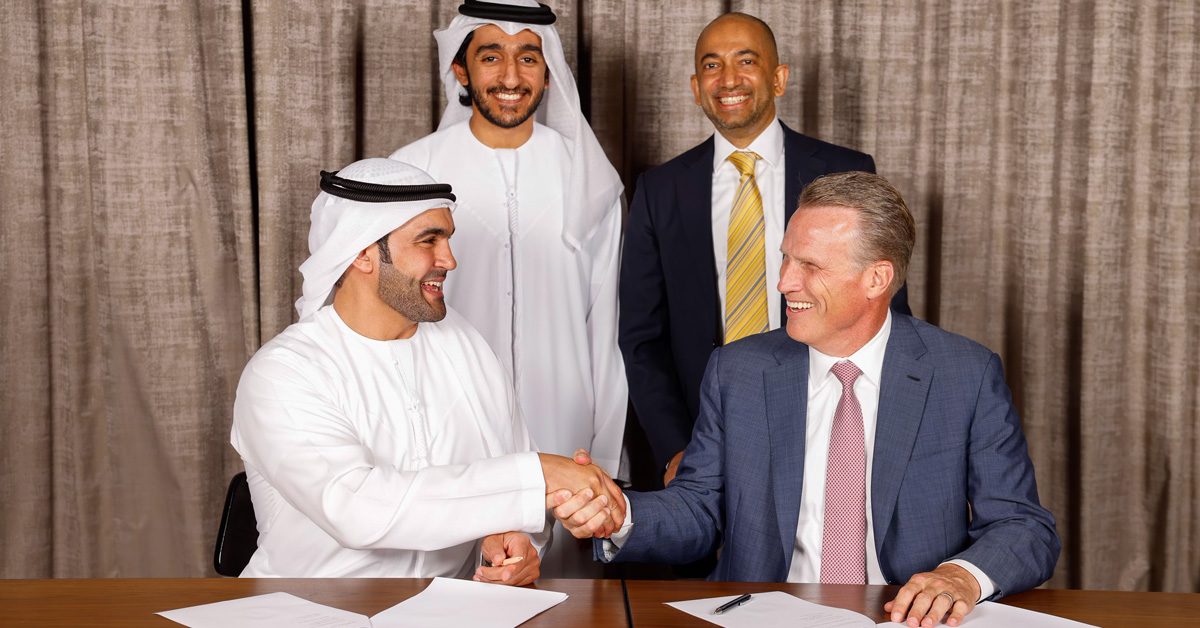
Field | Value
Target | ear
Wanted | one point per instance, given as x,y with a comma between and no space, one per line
696,89
365,262
781,77
878,279
460,73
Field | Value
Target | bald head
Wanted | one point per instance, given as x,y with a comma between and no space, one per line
758,30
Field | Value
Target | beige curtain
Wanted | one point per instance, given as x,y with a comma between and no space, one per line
153,217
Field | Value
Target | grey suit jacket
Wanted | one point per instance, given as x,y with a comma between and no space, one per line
951,475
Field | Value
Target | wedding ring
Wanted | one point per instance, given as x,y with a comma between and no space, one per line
947,594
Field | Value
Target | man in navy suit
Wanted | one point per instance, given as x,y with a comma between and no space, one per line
673,266
858,445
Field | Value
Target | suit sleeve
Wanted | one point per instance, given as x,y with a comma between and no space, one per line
645,336
1013,538
608,373
684,521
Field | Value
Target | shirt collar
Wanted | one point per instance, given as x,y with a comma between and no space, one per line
868,359
768,145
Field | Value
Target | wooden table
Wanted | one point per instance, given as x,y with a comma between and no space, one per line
592,603
134,602
1106,609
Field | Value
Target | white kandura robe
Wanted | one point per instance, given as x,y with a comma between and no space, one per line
382,459
548,309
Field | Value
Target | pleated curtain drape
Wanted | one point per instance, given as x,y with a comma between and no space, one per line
158,161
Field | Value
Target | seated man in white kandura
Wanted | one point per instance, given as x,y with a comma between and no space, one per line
380,433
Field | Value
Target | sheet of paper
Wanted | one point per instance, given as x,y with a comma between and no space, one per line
451,603
994,615
273,610
773,609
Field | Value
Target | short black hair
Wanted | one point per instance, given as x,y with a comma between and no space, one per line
460,57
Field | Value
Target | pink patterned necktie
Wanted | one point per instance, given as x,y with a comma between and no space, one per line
843,543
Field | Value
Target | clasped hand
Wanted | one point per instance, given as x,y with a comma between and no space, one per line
583,497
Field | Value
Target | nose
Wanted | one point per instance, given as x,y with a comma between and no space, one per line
511,77
445,258
729,76
788,277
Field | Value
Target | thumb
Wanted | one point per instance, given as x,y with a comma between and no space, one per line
582,457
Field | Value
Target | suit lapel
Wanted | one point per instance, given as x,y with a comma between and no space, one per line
802,168
693,189
902,397
786,387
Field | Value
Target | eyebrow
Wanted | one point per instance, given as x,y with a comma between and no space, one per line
747,51
437,231
499,48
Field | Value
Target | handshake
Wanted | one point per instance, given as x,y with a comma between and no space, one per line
583,497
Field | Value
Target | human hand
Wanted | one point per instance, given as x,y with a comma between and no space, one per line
498,548
582,514
576,475
672,468
926,598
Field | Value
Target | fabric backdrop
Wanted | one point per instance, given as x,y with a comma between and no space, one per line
158,160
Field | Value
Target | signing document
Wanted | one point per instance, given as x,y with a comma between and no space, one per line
445,603
772,609
994,615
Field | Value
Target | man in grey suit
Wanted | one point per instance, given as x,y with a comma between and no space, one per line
794,421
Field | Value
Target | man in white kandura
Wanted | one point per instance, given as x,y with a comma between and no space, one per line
380,434
539,222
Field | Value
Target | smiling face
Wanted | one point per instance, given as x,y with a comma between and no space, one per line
836,303
505,75
411,283
738,77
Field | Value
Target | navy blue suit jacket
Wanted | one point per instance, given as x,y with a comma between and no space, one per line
670,312
951,475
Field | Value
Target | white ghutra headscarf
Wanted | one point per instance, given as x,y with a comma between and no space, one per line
342,227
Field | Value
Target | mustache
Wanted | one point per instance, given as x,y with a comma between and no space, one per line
504,90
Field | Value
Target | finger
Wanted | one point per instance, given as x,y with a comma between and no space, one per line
937,610
490,574
903,599
578,509
919,609
555,499
582,457
958,612
581,522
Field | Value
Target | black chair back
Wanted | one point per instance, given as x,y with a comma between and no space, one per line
237,539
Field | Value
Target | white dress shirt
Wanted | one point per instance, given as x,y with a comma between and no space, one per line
769,175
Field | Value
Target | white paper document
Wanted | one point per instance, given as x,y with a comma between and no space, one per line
446,602
994,615
273,610
773,609
451,603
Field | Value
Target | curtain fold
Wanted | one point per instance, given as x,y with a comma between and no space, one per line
159,162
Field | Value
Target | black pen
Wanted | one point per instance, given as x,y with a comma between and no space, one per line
734,603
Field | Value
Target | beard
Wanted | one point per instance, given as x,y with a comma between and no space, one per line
498,117
405,295
712,109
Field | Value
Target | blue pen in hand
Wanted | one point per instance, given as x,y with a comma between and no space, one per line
734,603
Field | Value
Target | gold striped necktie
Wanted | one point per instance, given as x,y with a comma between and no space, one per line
746,270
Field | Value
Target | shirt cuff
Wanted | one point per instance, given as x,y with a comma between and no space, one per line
987,588
612,545
533,491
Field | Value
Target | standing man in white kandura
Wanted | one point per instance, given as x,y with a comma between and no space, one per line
539,222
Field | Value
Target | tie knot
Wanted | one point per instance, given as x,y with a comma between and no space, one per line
846,373
744,161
